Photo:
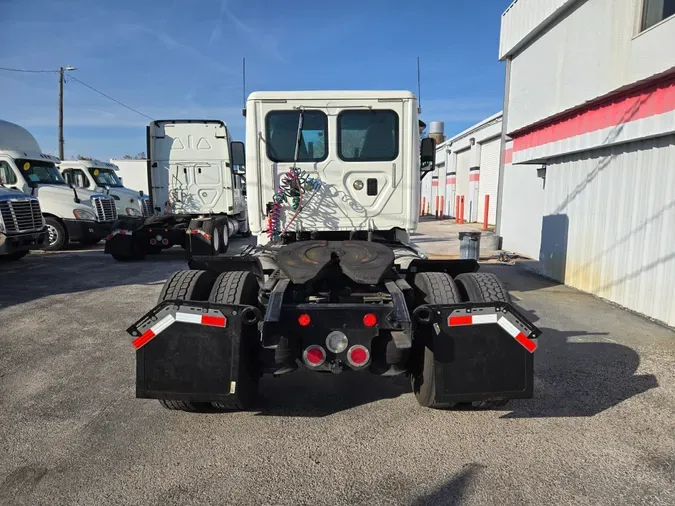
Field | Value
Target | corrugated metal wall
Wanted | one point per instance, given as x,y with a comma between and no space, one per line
609,224
489,179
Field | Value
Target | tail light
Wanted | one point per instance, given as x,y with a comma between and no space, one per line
153,241
304,320
358,356
165,242
314,356
370,320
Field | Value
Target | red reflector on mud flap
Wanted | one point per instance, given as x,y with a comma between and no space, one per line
459,320
164,323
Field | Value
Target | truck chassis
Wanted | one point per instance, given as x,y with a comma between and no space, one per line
333,306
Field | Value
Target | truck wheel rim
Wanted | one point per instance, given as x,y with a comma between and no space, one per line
53,234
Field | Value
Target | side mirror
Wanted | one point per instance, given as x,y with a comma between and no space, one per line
238,154
427,156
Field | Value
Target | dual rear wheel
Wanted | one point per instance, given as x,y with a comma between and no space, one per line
440,288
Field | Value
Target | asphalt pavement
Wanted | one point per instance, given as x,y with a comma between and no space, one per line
600,430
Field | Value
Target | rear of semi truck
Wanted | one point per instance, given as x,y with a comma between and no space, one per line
334,284
195,192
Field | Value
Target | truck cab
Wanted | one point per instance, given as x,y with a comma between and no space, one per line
71,214
103,177
22,226
361,145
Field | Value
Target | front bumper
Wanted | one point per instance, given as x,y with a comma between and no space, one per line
22,242
83,229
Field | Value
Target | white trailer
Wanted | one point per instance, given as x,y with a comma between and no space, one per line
133,173
195,192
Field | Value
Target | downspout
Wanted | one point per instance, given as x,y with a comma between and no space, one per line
505,117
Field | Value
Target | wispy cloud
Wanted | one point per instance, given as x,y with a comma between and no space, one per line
264,41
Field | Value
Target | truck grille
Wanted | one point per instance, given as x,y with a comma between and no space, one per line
21,215
105,208
147,208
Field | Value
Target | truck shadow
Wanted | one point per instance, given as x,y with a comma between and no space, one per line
310,394
572,378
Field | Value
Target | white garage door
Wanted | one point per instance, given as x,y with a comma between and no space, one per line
463,162
489,179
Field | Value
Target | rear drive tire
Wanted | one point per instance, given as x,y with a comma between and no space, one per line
240,287
430,288
483,287
57,238
187,285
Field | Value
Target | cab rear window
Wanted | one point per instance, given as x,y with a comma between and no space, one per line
368,136
282,130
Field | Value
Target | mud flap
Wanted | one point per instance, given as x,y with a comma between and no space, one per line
192,351
482,351
123,240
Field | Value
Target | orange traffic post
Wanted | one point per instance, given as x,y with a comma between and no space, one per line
424,205
485,212
461,210
442,208
437,206
457,209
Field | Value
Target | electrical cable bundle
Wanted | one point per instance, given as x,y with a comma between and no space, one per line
295,184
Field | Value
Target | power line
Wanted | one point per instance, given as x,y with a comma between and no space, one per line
31,71
70,76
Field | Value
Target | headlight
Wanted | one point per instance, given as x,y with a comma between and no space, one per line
133,212
83,214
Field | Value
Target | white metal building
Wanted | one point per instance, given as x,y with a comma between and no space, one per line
467,166
589,165
134,173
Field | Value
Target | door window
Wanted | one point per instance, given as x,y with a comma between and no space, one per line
7,175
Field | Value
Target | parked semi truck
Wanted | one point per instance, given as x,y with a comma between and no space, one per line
22,226
102,177
71,214
195,191
334,284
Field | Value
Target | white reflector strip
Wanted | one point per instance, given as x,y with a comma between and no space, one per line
162,324
478,319
508,326
189,318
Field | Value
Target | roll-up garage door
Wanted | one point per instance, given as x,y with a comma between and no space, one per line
463,162
489,179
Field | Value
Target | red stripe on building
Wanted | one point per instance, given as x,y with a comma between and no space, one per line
643,103
434,182
508,156
474,177
451,180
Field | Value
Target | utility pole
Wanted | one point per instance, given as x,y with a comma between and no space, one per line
61,113
61,73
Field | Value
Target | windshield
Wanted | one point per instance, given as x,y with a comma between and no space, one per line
39,172
106,177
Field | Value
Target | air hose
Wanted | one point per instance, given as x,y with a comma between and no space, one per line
294,185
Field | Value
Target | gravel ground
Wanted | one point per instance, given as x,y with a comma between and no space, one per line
601,429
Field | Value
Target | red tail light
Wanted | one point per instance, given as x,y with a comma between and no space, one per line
314,356
358,355
370,320
304,320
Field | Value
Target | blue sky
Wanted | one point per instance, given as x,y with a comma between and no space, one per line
182,59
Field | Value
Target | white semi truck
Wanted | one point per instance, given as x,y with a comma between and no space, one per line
102,177
71,214
195,191
22,226
335,284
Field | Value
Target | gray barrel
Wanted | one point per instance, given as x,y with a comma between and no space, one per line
469,245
